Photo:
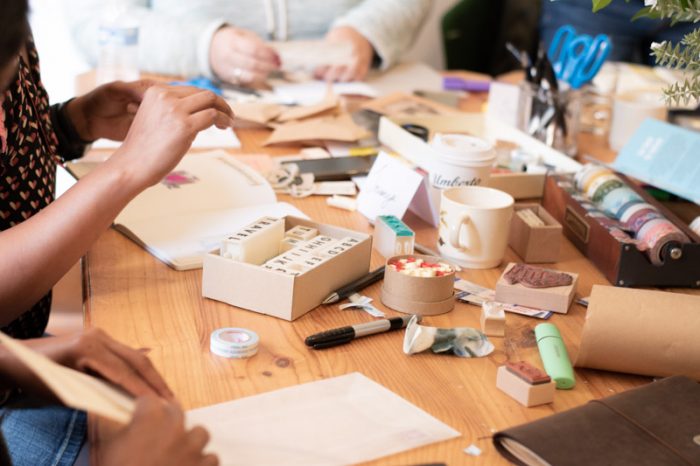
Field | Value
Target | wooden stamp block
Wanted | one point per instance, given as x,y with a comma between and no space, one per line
493,319
556,298
525,393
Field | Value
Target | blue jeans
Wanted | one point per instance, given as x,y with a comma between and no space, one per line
42,435
630,40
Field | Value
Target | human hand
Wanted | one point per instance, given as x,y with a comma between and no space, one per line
240,56
107,111
358,66
95,352
163,129
156,436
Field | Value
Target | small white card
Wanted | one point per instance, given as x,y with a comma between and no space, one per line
389,188
503,103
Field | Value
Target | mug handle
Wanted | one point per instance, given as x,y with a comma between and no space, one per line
456,228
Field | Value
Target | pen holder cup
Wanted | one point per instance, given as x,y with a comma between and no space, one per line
418,295
550,116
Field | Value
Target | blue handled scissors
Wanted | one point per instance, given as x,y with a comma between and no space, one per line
577,58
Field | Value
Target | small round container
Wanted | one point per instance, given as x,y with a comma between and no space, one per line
461,160
234,342
418,295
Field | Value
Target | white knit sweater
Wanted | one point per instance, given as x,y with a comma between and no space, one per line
174,35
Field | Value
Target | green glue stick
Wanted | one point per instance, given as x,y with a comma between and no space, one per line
554,356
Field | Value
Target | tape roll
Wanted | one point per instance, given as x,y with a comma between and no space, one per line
695,226
626,214
640,218
663,239
587,174
614,201
234,342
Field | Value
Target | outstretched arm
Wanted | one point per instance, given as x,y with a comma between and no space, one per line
39,251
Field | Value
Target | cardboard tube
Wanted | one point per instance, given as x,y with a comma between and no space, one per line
641,332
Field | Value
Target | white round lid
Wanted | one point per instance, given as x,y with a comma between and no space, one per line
463,147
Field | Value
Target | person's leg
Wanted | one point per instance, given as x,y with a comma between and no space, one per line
42,435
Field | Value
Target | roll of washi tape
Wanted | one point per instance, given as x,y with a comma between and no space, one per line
664,240
603,189
613,202
593,187
595,175
588,174
695,226
626,214
640,218
234,342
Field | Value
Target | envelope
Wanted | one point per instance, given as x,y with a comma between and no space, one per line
334,128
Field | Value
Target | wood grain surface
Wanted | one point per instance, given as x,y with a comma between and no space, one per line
143,303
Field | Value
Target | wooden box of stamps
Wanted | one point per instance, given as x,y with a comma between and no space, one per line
612,250
534,234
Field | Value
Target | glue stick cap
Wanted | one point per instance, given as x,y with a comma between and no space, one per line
554,356
234,342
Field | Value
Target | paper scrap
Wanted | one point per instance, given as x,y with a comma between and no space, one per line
336,128
473,450
338,421
210,138
257,112
471,293
75,389
329,103
364,303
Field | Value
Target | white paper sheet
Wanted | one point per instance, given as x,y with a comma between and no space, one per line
342,420
405,77
210,138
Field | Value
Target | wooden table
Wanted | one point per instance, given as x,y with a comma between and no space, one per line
143,303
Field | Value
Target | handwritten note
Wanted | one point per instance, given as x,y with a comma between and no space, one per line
389,188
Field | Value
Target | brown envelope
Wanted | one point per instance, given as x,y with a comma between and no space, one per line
641,332
334,128
257,112
401,104
329,103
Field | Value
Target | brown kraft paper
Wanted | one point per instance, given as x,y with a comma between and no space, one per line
641,332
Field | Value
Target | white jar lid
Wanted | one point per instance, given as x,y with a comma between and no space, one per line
234,342
461,147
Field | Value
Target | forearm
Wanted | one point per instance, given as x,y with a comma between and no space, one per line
389,25
39,251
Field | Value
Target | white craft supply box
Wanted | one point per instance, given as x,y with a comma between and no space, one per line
288,297
419,152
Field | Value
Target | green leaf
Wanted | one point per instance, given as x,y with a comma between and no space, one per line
645,12
600,4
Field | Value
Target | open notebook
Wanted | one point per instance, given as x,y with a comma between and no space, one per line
206,197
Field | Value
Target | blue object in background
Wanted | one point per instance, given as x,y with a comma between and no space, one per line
577,58
200,82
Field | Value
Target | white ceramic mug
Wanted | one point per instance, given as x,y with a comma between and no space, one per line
474,225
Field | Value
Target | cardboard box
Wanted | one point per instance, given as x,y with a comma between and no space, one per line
281,295
419,152
535,244
555,299
426,296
